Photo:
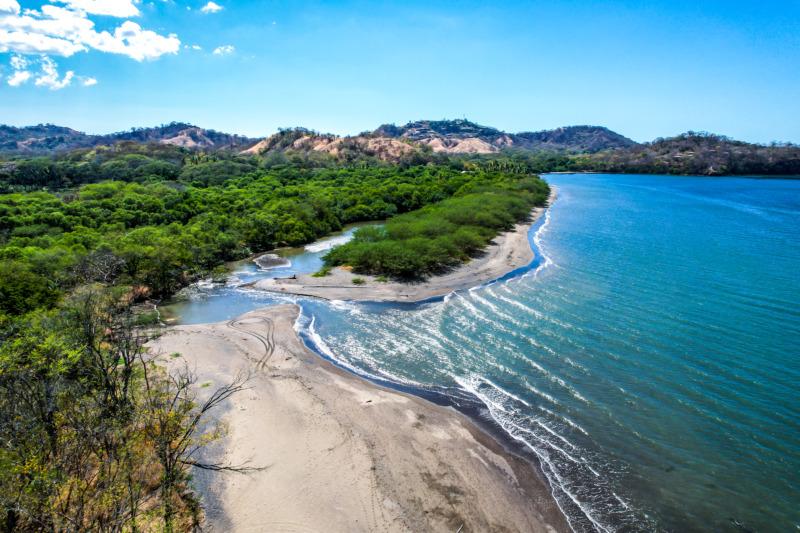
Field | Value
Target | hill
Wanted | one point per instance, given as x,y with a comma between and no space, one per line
387,143
48,138
573,139
302,141
581,148
450,137
701,154
463,136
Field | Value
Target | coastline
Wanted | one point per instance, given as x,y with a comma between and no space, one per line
342,453
508,252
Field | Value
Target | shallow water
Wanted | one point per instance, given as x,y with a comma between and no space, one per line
214,302
649,358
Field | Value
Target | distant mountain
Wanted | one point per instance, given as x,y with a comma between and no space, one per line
301,140
700,153
48,138
573,139
590,148
44,138
388,142
463,136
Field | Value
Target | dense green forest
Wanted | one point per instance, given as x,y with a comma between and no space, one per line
154,162
442,235
162,234
128,161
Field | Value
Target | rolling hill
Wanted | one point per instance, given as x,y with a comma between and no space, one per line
45,139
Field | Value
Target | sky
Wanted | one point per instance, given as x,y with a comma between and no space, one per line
645,69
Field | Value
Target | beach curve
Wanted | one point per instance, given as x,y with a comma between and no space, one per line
342,453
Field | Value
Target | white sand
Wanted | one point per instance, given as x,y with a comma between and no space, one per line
344,454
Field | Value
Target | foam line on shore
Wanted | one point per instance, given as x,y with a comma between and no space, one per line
540,261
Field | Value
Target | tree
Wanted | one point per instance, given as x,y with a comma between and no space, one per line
93,428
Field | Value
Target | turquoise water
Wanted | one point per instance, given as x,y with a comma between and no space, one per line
648,359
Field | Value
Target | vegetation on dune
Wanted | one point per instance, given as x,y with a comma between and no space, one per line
440,236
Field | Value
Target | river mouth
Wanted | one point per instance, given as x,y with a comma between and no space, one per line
208,301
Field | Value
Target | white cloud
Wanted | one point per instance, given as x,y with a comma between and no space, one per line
65,31
111,8
196,47
224,50
53,30
19,77
211,7
9,7
20,67
131,40
48,75
50,78
19,63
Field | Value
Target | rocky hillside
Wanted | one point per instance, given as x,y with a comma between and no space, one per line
463,136
390,142
303,141
591,148
47,138
44,138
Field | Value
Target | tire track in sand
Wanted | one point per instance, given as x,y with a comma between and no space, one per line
267,340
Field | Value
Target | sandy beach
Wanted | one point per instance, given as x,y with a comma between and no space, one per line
342,454
508,252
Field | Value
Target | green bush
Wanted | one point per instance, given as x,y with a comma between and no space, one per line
322,272
438,237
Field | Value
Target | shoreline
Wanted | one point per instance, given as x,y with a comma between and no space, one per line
402,462
508,252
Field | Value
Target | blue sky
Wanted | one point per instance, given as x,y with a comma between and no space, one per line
644,69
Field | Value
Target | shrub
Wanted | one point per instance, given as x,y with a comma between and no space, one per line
322,272
439,236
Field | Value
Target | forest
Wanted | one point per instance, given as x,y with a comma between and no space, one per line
162,235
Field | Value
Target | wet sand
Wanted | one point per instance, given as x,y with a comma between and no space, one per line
509,251
343,454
